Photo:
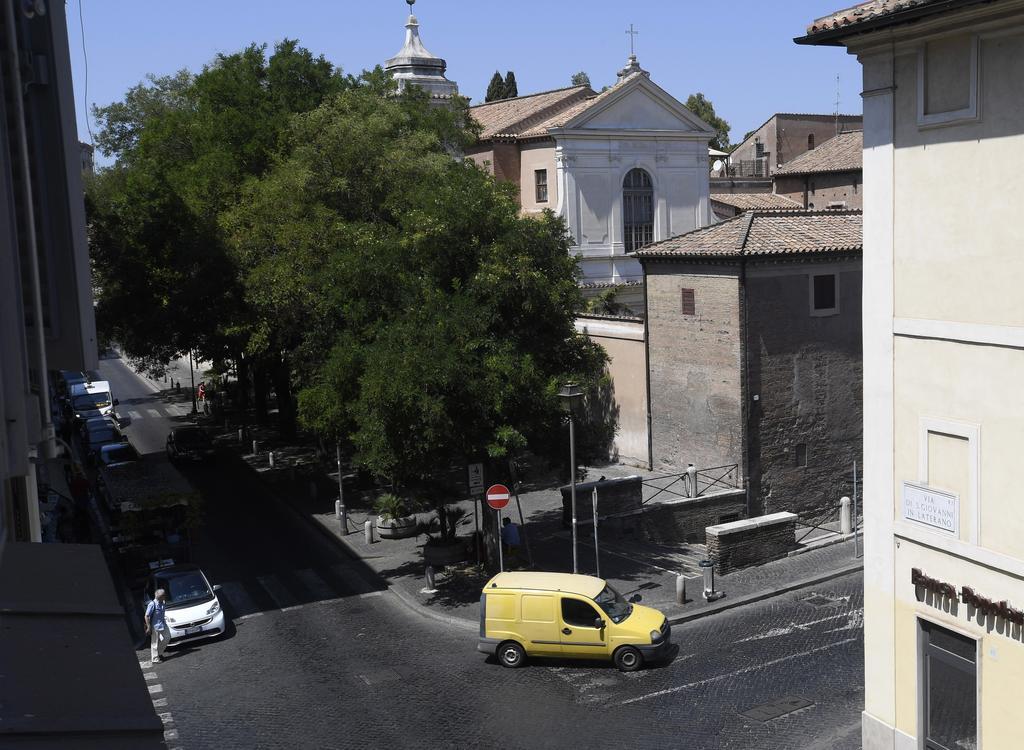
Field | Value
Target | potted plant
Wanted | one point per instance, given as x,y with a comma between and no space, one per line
393,521
446,548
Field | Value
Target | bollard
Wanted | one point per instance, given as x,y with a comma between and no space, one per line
430,578
270,458
680,589
845,524
342,516
241,435
368,532
691,476
708,569
255,447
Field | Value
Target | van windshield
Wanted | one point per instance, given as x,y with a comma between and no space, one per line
611,601
90,401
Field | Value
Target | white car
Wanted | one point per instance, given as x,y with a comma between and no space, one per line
193,610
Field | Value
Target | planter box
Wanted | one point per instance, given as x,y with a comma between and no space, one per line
397,528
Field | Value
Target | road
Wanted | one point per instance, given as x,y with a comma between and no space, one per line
316,658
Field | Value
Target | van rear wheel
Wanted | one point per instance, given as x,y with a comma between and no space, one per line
511,654
628,659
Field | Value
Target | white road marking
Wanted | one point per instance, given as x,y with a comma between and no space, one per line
135,415
145,664
149,676
293,608
794,626
246,617
166,717
738,672
317,586
170,734
281,596
239,599
154,689
368,594
159,702
154,413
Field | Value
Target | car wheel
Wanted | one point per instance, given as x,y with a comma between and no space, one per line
628,659
511,655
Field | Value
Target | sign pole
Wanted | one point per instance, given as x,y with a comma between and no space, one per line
501,553
597,552
572,460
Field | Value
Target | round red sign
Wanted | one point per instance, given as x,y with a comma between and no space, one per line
497,496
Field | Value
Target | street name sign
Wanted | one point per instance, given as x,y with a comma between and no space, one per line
498,496
932,507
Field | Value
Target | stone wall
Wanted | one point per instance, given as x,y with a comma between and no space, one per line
806,374
752,541
819,190
694,361
675,522
614,496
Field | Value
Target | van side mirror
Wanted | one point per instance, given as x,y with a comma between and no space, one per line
116,402
635,598
598,622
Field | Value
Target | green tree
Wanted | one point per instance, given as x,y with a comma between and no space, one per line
580,79
705,110
496,88
447,317
511,89
184,147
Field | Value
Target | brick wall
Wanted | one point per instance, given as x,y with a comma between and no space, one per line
694,360
752,541
807,374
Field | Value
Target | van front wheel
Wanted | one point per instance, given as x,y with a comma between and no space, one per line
628,659
511,654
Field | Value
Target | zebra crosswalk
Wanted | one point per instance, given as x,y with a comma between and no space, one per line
290,589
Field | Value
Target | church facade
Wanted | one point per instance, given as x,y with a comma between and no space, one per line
625,167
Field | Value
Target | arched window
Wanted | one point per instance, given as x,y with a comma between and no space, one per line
810,142
637,210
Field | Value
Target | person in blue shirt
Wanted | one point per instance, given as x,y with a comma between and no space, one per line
510,538
156,626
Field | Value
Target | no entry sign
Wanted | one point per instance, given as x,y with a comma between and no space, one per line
497,496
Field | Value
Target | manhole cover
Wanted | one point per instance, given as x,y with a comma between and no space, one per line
775,709
380,676
818,600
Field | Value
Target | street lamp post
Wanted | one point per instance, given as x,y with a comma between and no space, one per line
569,393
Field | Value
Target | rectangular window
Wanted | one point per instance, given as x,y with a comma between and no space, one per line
947,688
540,178
824,294
800,454
758,150
947,80
689,302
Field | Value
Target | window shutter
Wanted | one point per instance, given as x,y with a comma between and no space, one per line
689,303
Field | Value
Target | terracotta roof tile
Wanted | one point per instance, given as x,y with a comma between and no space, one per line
873,10
562,116
766,233
510,117
748,201
844,153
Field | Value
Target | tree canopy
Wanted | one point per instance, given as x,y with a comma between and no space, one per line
705,110
580,79
501,88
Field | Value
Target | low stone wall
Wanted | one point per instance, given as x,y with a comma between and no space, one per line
673,522
614,496
752,541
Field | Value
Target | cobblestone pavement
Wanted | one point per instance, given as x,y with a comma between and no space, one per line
317,658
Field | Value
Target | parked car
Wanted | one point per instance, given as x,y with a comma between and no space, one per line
116,454
97,423
99,436
568,616
190,443
193,609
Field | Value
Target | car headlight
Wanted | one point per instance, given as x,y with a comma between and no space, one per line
214,608
656,636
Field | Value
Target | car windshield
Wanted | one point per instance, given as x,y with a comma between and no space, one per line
190,437
119,455
617,608
103,435
185,588
87,401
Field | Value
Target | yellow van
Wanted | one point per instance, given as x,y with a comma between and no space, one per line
569,616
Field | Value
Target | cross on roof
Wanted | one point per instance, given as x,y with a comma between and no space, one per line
632,37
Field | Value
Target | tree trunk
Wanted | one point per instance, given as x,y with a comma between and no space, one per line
282,376
259,385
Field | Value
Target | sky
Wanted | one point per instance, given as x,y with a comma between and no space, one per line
739,53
